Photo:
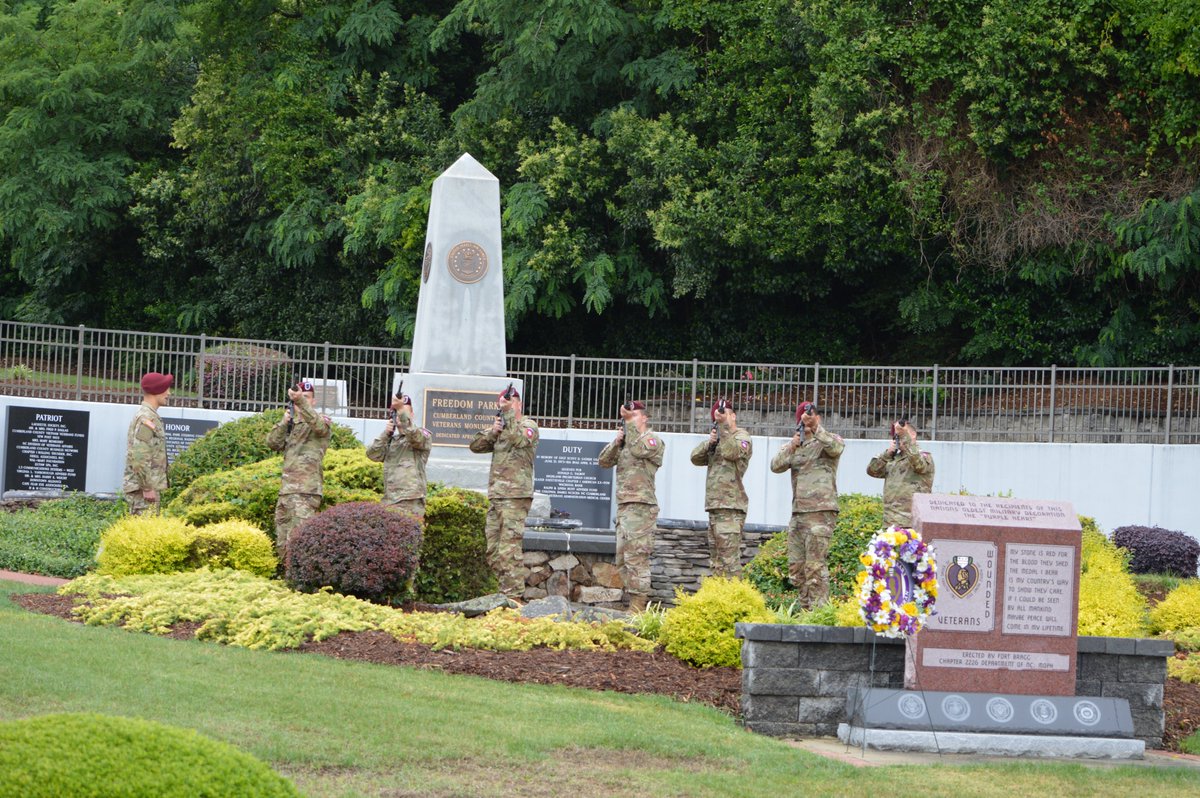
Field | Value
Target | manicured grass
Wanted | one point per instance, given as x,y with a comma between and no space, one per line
354,729
58,538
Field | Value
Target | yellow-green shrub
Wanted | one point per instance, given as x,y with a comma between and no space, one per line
699,628
250,492
846,612
1179,610
506,630
453,550
1185,670
144,544
234,544
1110,604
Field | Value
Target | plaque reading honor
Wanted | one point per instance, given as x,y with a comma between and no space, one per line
453,417
47,449
468,262
568,472
182,432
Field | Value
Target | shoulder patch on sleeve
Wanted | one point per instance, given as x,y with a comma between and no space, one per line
149,423
426,433
528,432
652,441
745,444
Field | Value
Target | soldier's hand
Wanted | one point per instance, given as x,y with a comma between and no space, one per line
712,437
620,434
810,421
287,416
150,495
892,447
497,425
797,440
391,426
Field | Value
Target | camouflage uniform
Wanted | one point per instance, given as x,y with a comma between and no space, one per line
510,494
814,466
908,471
145,459
403,454
637,507
725,498
303,478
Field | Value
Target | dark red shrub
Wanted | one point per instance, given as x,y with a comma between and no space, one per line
360,549
1154,550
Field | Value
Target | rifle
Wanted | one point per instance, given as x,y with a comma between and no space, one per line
508,394
291,407
628,405
896,435
721,407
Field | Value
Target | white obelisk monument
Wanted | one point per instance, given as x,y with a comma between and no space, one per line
458,357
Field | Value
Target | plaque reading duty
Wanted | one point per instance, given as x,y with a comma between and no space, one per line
47,449
453,417
568,473
1037,589
966,599
182,432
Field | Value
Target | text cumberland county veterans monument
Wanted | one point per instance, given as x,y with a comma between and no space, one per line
458,355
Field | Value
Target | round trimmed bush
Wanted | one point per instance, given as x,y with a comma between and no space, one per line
237,443
85,754
454,552
145,544
227,370
233,544
699,628
1178,611
360,549
1154,550
250,492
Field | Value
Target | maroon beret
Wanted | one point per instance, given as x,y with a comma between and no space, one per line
154,383
405,399
305,386
636,405
803,408
712,414
515,394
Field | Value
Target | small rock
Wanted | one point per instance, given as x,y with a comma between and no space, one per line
605,574
547,607
538,576
580,575
564,563
478,606
532,559
532,593
556,585
598,595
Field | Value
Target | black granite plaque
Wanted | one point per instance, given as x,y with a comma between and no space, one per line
453,417
46,449
181,432
568,473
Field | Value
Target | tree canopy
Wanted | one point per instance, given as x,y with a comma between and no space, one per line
834,180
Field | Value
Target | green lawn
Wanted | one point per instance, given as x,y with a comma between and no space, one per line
353,729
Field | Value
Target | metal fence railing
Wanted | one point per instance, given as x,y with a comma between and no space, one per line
1042,404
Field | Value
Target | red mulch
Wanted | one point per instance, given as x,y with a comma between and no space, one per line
620,671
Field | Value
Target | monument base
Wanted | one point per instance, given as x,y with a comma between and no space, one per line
1028,745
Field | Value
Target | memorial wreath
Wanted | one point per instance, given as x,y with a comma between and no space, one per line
897,587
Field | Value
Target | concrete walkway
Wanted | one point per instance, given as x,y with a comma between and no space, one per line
32,579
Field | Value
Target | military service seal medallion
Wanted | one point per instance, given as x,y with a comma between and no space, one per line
468,263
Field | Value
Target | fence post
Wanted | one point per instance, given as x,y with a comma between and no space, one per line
1053,384
79,365
200,371
325,376
816,397
1170,404
933,424
691,403
571,394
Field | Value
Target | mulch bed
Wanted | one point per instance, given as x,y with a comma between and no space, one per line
620,671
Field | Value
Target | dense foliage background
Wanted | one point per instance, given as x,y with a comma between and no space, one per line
837,180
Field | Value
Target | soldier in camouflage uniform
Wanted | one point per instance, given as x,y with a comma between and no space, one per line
812,456
403,448
726,454
905,470
637,452
303,442
512,439
146,450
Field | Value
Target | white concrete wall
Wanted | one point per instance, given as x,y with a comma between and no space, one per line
1118,484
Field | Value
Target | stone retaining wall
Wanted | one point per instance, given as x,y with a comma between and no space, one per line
579,565
795,678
